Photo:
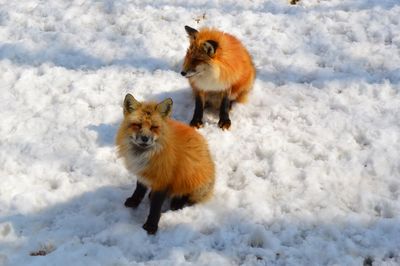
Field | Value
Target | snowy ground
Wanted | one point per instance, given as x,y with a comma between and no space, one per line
309,174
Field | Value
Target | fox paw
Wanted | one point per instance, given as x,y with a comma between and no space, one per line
132,202
224,123
196,123
151,229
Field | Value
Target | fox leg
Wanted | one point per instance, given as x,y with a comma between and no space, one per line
178,202
224,120
137,196
197,120
157,200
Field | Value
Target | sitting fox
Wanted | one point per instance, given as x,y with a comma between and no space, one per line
169,157
220,72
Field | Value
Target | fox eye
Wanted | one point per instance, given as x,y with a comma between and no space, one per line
154,127
136,126
197,61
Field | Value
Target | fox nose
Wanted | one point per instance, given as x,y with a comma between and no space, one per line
183,73
144,138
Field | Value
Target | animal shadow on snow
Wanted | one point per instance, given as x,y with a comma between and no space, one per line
183,103
105,133
97,216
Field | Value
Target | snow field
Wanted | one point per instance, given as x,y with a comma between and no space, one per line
309,174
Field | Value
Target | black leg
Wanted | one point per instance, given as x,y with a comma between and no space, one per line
224,121
137,196
157,199
178,202
197,120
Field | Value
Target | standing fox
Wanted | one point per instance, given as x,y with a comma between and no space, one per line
167,156
220,71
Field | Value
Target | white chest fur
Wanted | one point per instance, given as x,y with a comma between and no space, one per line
208,79
136,163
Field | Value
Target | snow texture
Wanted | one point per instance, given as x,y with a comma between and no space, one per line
309,173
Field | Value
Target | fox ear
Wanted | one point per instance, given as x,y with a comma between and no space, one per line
165,107
130,104
191,32
210,47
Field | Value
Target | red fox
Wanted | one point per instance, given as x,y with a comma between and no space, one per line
220,71
167,156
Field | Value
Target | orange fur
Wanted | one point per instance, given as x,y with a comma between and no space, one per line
179,162
231,65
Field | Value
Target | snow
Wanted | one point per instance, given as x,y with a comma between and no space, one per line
309,173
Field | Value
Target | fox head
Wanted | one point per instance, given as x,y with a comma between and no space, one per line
199,54
145,122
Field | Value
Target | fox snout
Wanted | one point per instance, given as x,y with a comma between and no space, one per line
143,140
189,73
190,68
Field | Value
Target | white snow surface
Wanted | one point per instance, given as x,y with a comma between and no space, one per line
309,173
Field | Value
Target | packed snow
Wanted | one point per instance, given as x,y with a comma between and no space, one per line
309,173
